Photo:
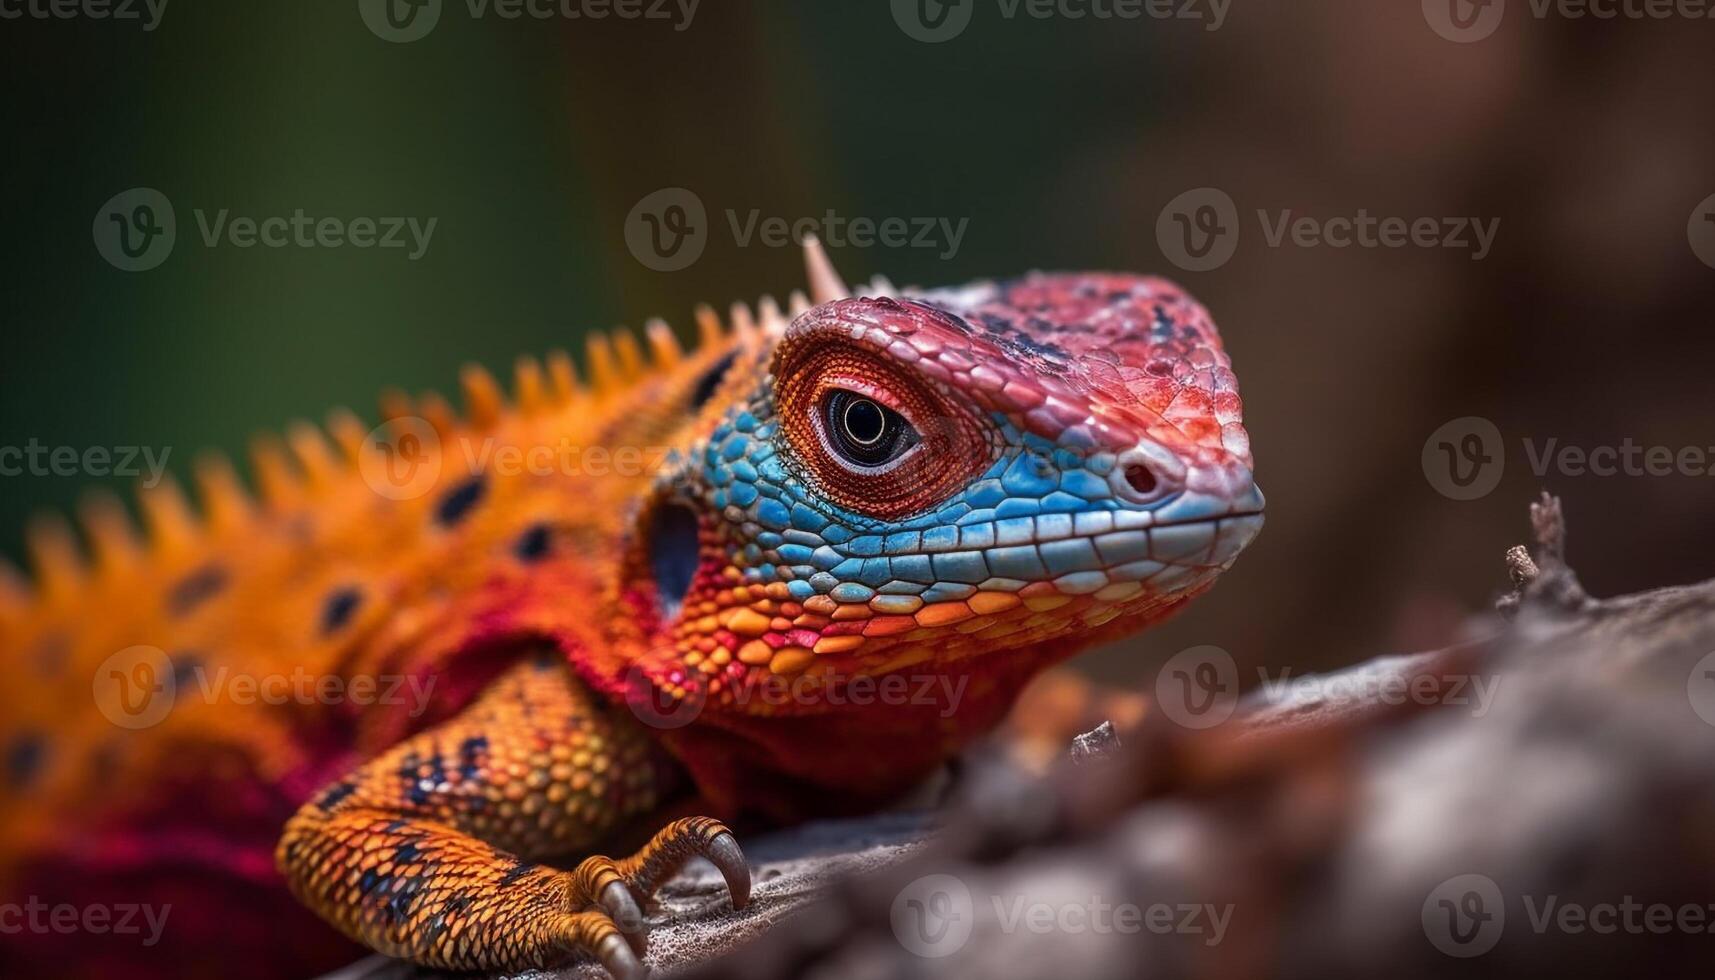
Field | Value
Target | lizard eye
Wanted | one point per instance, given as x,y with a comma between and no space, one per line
871,435
863,432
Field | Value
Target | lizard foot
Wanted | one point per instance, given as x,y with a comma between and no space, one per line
612,924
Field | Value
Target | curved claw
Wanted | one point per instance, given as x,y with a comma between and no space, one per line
618,959
723,852
616,900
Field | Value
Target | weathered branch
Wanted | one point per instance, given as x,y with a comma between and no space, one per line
1569,762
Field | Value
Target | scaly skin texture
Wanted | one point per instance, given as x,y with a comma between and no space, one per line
435,664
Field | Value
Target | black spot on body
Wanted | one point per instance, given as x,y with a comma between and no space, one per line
24,758
455,906
334,795
535,543
186,665
706,385
459,501
1162,325
404,892
472,751
515,874
195,589
338,608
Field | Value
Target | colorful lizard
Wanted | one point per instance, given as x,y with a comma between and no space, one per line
842,545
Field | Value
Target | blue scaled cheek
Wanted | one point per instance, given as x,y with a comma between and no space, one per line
1026,518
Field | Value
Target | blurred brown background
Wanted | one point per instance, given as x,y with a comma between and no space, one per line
1059,139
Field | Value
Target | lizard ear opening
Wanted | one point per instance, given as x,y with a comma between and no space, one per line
671,545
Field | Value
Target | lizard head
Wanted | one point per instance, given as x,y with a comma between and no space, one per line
918,480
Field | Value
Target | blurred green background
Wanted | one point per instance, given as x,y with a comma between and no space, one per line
529,141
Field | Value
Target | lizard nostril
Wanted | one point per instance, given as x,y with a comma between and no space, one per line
1141,478
1147,474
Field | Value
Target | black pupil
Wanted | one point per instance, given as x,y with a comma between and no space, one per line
864,421
864,432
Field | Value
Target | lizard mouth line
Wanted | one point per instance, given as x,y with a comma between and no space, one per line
1185,522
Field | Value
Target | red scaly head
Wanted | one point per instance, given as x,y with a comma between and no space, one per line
915,500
